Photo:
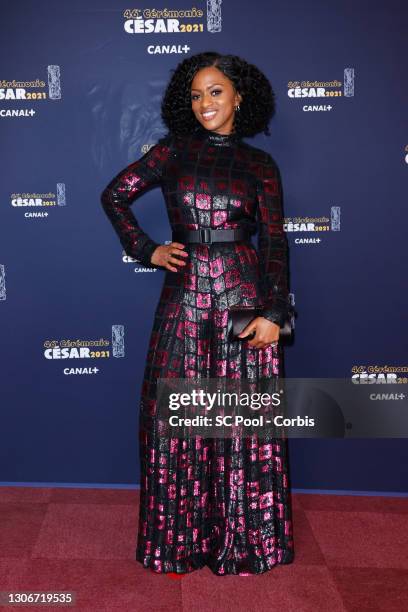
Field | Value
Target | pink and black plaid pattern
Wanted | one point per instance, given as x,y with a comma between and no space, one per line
224,503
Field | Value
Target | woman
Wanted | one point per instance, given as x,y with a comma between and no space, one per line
223,503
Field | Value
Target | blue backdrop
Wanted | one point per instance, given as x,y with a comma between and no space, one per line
80,92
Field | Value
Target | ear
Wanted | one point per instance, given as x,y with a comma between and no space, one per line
238,98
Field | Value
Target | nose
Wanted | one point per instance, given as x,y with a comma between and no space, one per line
207,102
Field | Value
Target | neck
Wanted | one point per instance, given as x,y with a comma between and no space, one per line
215,137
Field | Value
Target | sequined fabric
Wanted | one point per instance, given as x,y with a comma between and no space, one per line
224,503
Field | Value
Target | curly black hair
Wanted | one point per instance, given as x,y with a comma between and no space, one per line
258,98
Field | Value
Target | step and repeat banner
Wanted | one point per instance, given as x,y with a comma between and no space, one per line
80,93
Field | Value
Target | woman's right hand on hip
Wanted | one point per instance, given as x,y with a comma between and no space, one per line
167,254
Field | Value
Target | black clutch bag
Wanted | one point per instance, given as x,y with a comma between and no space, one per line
240,316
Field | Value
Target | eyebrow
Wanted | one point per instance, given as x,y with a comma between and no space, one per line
209,86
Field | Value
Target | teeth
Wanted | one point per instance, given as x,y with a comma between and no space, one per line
209,114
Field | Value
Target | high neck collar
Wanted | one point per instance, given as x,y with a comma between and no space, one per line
220,140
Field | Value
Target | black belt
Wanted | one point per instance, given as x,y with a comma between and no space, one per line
208,235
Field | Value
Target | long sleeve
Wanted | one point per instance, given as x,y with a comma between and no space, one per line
272,243
121,192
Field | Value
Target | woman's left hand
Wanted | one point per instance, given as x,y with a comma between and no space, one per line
266,332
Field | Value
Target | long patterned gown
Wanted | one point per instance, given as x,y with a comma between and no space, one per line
224,503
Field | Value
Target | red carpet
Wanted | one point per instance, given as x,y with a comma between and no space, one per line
351,554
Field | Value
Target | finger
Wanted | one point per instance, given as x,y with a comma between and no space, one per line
179,248
176,260
178,245
253,341
248,337
243,334
173,258
259,343
247,330
171,268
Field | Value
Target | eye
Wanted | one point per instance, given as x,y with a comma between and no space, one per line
214,91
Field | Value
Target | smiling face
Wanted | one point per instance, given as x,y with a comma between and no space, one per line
213,100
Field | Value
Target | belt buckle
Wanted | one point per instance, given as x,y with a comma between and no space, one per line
205,235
